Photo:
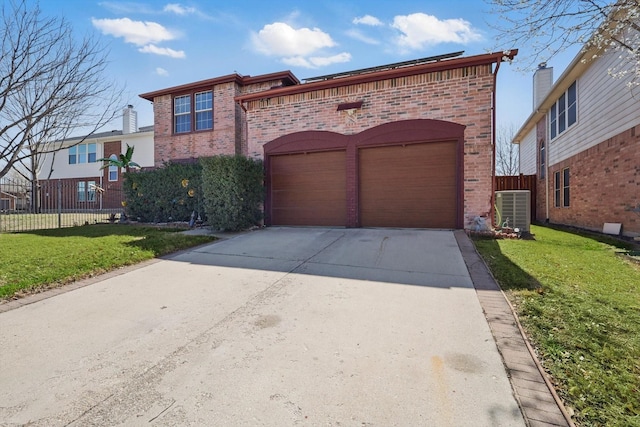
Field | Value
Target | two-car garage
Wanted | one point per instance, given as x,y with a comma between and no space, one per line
403,174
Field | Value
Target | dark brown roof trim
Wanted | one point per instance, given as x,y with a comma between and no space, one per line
450,64
287,77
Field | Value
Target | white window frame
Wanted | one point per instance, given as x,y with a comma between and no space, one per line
82,153
200,111
563,114
113,170
82,191
182,113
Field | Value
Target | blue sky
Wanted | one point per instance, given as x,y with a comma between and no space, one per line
158,44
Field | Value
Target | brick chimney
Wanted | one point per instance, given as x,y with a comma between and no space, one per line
129,120
542,82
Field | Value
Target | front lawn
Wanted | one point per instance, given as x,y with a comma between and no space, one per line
47,258
579,302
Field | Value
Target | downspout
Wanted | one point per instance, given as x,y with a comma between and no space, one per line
493,143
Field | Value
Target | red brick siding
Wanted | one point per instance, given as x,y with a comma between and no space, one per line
604,184
229,135
461,96
113,189
221,140
63,194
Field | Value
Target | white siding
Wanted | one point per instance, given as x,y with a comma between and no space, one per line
62,168
143,147
143,155
606,108
528,149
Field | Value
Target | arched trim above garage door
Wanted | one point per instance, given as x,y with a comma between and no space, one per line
284,191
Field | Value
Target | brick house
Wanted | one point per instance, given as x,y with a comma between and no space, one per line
187,126
583,143
402,145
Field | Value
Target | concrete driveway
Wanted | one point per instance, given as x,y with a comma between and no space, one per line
282,326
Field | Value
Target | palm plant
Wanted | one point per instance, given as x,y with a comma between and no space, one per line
123,160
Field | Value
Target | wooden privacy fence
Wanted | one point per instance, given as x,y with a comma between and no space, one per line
519,182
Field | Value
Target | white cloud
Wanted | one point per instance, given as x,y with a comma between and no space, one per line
297,61
137,32
356,34
165,51
368,20
280,39
161,72
126,8
179,9
317,61
420,30
323,61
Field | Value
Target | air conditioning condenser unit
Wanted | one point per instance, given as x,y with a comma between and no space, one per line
513,209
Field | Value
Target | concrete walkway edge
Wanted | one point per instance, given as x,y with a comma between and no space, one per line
540,404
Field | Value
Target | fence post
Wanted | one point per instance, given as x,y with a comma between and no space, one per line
59,204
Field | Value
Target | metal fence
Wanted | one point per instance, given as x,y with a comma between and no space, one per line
26,206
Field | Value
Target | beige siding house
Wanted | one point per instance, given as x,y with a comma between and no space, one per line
583,142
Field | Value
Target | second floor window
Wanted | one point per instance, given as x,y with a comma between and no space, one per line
184,107
204,110
182,114
83,153
564,112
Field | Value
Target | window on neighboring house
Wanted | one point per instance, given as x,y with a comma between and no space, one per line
91,191
565,188
204,110
82,191
86,191
73,155
83,153
564,113
543,160
91,152
113,170
556,189
182,114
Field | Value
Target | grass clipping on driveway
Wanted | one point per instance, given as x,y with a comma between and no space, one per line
579,302
39,260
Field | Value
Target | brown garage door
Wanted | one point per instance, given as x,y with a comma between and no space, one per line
309,189
408,186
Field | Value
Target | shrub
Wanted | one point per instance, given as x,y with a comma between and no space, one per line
170,193
233,191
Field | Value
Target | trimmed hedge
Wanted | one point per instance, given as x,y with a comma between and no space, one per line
233,191
170,193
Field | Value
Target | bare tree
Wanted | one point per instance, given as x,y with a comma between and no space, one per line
51,85
548,27
507,154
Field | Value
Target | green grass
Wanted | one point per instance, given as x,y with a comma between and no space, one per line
579,302
13,222
42,259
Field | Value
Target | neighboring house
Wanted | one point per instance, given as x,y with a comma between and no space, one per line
76,168
14,194
402,145
583,143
